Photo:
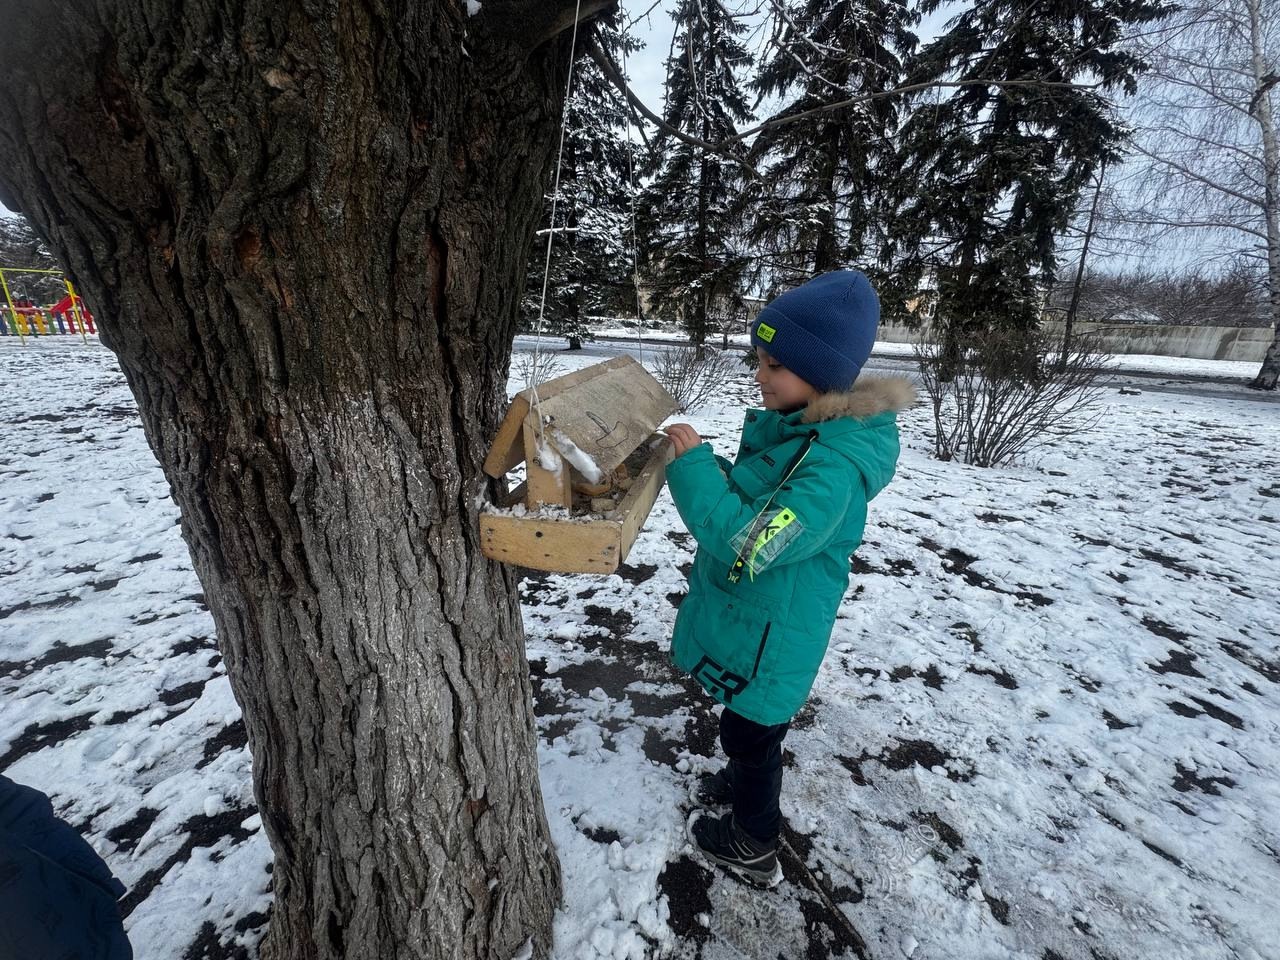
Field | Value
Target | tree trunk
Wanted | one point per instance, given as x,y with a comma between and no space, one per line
1269,375
305,232
698,328
825,257
1074,305
698,324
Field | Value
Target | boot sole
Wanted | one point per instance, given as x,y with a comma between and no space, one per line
750,876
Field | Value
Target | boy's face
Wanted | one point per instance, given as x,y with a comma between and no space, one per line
780,389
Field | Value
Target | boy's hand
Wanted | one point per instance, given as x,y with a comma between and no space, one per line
683,437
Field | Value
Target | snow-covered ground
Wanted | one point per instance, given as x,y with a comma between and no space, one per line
1048,726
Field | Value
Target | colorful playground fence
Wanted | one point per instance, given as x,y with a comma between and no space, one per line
44,322
24,319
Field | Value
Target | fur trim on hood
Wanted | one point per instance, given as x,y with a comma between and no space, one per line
867,397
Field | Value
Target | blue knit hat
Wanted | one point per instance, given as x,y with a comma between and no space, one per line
822,331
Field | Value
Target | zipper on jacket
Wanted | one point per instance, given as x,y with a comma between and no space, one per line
740,561
760,650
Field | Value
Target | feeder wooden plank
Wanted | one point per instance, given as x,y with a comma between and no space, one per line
608,414
553,388
564,546
507,450
635,506
578,546
544,486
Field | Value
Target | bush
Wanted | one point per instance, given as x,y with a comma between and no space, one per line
536,367
692,380
1000,393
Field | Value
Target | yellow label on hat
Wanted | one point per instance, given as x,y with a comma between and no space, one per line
765,332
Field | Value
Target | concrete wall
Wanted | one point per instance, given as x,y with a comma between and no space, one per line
1203,343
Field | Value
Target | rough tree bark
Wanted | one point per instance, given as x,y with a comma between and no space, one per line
304,226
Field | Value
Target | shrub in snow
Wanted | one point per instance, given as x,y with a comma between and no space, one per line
998,393
536,367
691,379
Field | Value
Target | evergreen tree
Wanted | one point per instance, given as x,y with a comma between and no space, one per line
996,170
592,259
821,203
20,247
693,263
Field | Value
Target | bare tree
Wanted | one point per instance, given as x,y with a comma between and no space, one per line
1089,230
1093,250
306,227
1189,295
1206,127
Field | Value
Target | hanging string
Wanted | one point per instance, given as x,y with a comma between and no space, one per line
551,233
631,171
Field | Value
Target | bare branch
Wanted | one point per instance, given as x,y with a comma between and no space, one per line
1269,81
1198,177
614,75
1184,134
636,19
1201,88
1157,221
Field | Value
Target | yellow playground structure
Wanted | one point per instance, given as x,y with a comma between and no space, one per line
24,318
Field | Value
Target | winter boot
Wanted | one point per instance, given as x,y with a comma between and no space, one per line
713,789
722,841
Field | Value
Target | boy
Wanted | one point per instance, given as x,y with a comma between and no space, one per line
775,531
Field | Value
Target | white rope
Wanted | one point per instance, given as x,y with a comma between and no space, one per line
631,172
551,233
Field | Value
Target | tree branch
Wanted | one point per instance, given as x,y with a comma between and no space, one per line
1180,133
614,75
906,88
1213,94
1198,177
1140,219
1267,82
531,24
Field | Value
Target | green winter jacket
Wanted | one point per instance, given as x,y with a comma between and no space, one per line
775,531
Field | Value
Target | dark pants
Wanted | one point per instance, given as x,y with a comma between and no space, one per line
755,770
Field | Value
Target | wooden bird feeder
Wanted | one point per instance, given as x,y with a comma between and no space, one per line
593,466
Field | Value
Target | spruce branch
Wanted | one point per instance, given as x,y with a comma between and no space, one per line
611,71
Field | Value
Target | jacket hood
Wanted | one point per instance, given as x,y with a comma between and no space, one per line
860,424
866,398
